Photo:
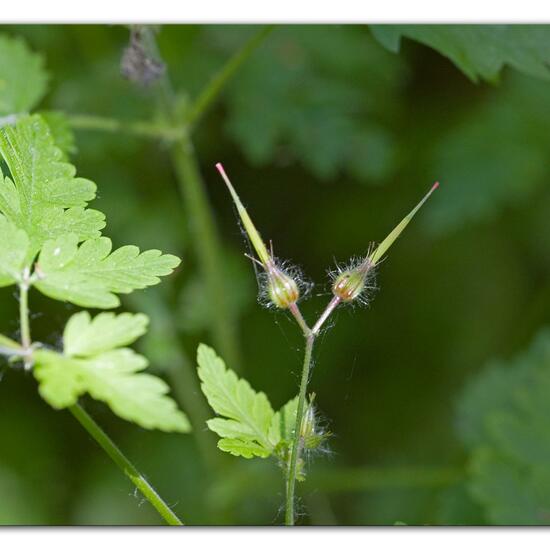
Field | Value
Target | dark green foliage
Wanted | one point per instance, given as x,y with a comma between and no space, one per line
314,115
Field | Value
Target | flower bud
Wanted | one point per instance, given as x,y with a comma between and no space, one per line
310,433
349,284
282,288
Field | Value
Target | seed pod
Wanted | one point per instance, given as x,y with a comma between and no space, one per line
282,288
383,247
350,283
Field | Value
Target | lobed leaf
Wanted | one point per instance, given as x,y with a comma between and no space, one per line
14,245
503,418
61,130
494,158
23,78
308,96
478,50
43,196
84,336
246,429
111,374
89,275
246,449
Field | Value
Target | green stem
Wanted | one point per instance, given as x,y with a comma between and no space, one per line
310,335
137,128
24,317
291,480
219,80
93,429
207,248
124,464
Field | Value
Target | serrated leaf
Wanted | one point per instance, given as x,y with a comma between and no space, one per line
327,90
89,275
495,387
43,196
84,336
494,158
504,420
479,50
61,130
112,375
246,449
510,494
248,413
23,78
61,379
14,245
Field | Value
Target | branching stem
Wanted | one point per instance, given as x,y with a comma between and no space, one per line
310,336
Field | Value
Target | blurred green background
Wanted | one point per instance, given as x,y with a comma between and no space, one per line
330,139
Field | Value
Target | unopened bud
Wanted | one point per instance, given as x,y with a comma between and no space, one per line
308,423
349,284
282,288
310,434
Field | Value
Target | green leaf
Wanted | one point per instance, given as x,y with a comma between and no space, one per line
510,494
112,375
244,448
84,337
503,418
479,50
62,380
43,196
315,96
88,275
494,158
23,78
61,130
248,414
14,245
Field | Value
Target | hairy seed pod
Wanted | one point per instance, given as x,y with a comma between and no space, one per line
349,284
282,288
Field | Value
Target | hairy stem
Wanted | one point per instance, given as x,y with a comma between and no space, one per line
124,464
296,443
310,335
220,79
332,305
